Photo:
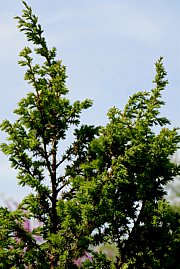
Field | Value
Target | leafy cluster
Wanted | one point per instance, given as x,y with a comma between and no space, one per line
106,186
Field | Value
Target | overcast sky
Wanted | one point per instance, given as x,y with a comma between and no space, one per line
109,48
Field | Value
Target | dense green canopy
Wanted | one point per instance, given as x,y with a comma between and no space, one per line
107,186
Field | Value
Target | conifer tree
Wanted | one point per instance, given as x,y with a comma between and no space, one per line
106,186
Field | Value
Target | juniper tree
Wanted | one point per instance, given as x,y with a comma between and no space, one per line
121,190
36,138
106,186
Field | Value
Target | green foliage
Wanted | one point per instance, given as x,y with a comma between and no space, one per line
107,186
18,247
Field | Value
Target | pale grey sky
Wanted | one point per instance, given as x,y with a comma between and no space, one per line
109,48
